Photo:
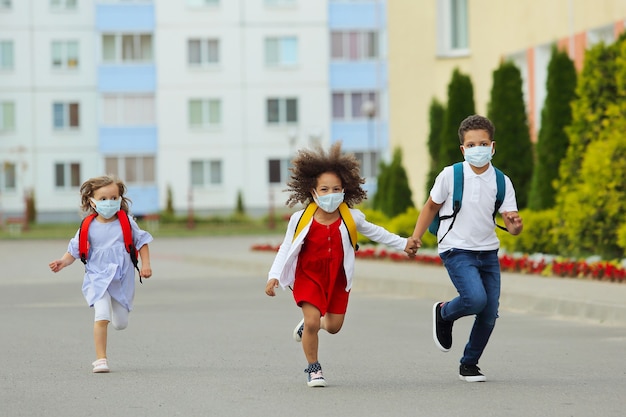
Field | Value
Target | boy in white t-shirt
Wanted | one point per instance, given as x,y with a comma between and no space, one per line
469,249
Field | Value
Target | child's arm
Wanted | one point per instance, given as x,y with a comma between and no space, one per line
59,264
271,285
424,220
144,253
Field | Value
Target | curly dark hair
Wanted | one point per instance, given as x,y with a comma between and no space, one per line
90,186
476,122
309,164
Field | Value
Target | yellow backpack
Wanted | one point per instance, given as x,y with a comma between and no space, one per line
344,212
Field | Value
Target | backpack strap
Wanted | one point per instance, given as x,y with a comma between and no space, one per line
457,197
344,212
501,184
306,217
129,244
83,237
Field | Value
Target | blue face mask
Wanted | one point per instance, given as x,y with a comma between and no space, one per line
478,156
107,208
329,202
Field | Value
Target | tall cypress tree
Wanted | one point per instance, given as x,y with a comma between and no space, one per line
514,152
394,195
591,194
460,105
552,141
436,116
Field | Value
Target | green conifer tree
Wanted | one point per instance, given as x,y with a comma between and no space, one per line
552,140
393,195
436,116
460,105
591,197
514,152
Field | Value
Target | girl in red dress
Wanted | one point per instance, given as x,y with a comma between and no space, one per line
318,263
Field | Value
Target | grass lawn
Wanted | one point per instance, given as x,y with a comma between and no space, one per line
178,229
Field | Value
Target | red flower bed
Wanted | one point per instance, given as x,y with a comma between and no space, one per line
600,270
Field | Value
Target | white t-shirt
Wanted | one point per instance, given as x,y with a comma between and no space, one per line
474,228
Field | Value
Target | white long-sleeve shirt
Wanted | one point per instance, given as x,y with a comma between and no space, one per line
284,266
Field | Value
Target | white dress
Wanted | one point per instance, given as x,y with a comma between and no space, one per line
109,267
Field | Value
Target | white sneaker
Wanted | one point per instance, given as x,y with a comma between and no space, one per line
297,332
100,366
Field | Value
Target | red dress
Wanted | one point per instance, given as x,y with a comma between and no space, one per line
320,278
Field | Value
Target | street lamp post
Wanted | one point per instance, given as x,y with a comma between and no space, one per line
368,109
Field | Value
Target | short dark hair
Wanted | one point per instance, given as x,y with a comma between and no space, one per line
476,122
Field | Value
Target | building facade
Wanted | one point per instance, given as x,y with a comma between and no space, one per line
198,100
428,40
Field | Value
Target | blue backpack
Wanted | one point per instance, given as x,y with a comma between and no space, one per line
457,197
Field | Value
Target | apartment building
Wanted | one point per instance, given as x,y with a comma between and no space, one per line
202,100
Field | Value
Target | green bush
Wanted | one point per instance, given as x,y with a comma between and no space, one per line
537,236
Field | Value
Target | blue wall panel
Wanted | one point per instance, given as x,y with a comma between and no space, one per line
126,78
356,15
145,199
357,75
125,17
114,140
360,135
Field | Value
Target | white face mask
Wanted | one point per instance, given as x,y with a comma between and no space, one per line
478,156
329,202
107,208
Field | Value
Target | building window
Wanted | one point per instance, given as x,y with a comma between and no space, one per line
7,116
349,105
206,173
282,111
354,46
67,175
205,113
65,115
605,34
8,177
6,55
281,52
63,4
65,54
278,171
452,36
202,3
136,169
203,52
127,48
128,110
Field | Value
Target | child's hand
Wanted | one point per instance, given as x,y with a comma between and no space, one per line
269,288
56,266
513,222
412,245
146,271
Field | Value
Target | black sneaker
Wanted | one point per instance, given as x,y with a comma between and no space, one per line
471,373
442,329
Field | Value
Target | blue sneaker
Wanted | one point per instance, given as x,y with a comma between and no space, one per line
297,332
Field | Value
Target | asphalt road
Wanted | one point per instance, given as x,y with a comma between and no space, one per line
204,340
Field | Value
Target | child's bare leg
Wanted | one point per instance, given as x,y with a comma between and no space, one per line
310,340
100,338
332,322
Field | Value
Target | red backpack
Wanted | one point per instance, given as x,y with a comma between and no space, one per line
83,242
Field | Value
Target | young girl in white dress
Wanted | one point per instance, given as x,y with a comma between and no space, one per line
109,283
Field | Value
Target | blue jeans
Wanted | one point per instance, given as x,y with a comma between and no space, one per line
476,276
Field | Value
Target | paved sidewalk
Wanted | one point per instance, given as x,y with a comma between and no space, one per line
595,301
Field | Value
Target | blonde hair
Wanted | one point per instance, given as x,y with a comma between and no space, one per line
90,186
308,165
